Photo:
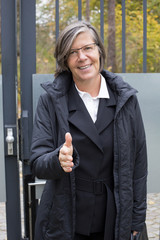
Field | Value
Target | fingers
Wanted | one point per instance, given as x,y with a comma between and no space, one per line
66,160
67,166
65,154
134,233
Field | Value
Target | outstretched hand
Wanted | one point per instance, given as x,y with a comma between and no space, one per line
65,154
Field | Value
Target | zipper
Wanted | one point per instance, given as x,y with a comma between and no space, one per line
117,190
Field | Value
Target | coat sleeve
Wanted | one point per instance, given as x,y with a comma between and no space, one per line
44,154
140,175
44,150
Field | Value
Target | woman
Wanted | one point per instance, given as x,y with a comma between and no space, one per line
89,143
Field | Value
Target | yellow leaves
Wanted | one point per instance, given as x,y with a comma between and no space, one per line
134,38
38,59
45,60
150,202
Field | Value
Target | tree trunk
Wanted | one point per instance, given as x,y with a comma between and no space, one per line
111,53
87,11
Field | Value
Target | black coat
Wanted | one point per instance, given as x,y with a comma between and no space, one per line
56,215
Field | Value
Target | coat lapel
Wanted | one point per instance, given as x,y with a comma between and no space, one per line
106,112
79,117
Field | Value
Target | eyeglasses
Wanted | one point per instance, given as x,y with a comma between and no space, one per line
87,49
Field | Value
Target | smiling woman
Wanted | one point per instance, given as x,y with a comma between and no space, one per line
89,143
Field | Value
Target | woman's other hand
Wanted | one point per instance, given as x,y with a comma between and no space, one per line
65,154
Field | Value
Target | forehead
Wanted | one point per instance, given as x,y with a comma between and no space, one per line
82,39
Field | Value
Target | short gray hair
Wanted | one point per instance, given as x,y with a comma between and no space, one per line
65,41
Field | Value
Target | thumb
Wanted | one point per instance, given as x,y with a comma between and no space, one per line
68,139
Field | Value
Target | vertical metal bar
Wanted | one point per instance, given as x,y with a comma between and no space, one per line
144,36
79,10
2,158
28,56
30,210
27,68
9,75
102,19
57,19
123,37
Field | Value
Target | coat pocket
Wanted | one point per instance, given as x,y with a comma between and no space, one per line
59,222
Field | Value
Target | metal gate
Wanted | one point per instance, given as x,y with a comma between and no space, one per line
9,76
16,142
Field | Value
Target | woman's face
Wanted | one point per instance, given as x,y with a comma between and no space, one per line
84,59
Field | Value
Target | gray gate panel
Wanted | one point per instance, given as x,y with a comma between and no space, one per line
37,90
2,165
148,86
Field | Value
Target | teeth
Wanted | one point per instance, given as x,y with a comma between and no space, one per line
84,67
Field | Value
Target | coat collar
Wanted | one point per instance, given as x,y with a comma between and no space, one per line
62,84
121,88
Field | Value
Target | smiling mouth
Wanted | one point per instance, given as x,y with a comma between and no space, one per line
84,67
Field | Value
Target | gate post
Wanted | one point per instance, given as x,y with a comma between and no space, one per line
9,78
27,68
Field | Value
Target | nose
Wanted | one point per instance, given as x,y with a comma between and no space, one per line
81,55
